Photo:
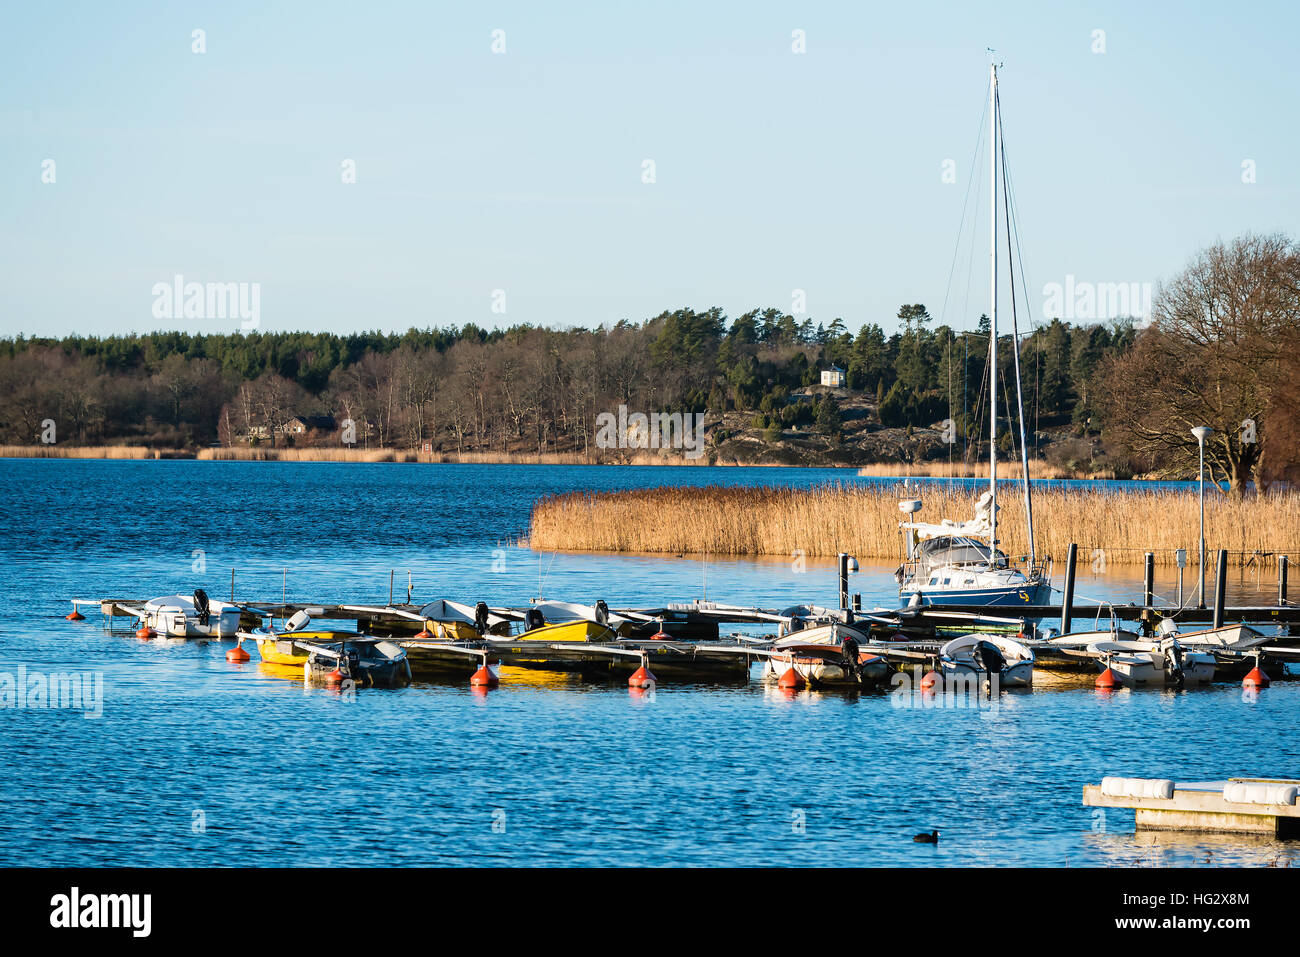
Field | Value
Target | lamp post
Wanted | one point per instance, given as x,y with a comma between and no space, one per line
1202,432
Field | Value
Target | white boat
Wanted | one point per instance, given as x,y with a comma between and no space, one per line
1154,663
183,616
825,656
1223,638
984,656
947,563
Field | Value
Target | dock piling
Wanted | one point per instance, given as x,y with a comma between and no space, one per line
1281,579
1067,590
1148,580
1220,586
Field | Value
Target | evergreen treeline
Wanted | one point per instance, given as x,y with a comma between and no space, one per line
526,388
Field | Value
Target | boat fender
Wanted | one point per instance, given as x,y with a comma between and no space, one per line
1161,788
1260,792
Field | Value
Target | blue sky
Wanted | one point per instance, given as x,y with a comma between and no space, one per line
522,171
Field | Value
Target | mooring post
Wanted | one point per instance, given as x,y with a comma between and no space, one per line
1067,591
1220,586
844,581
1281,580
1149,580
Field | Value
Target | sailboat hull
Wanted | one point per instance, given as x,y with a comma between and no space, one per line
1001,596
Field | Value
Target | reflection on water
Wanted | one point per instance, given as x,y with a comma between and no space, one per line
548,768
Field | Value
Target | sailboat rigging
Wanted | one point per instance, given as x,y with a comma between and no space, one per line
960,563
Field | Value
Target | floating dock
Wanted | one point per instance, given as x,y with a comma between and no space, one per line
1238,805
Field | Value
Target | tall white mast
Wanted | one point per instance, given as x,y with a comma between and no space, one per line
993,308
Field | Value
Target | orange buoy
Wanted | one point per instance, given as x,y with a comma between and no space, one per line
422,634
791,679
144,634
1255,678
661,635
334,677
642,677
75,616
931,680
1108,679
237,654
484,677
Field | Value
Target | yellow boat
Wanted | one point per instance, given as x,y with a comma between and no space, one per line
280,649
567,632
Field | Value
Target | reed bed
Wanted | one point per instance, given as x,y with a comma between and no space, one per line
80,452
1115,526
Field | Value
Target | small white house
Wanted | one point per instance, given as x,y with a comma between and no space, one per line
833,377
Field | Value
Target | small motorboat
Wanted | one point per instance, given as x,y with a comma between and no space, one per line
1224,638
184,616
533,626
1154,663
366,662
826,656
280,648
986,657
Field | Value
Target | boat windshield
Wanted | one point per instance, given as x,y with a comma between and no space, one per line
956,550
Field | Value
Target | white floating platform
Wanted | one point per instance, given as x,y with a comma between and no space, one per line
1251,805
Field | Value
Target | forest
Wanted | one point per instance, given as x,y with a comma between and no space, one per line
529,389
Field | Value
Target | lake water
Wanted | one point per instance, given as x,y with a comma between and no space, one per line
195,761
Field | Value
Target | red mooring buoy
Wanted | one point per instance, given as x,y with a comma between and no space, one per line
931,680
237,654
75,616
642,677
1108,679
791,680
334,677
144,634
484,678
1255,678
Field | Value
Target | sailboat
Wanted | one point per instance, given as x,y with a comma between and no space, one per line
952,563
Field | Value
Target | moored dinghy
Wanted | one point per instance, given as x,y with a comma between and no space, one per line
826,656
986,657
1154,663
367,662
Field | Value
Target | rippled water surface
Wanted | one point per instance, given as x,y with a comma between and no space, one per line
199,762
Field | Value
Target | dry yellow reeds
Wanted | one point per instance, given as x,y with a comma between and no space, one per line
1119,525
78,452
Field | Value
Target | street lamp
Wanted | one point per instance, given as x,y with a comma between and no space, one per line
1202,432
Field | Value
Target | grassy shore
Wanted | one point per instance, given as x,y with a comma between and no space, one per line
863,520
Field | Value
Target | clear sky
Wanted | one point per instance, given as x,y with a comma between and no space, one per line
522,171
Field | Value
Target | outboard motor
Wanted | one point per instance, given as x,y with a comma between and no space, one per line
1173,659
602,612
298,622
481,618
533,619
849,653
201,606
988,657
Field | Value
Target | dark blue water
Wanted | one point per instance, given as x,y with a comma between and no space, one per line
199,762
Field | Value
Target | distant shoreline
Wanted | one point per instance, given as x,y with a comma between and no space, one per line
938,469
